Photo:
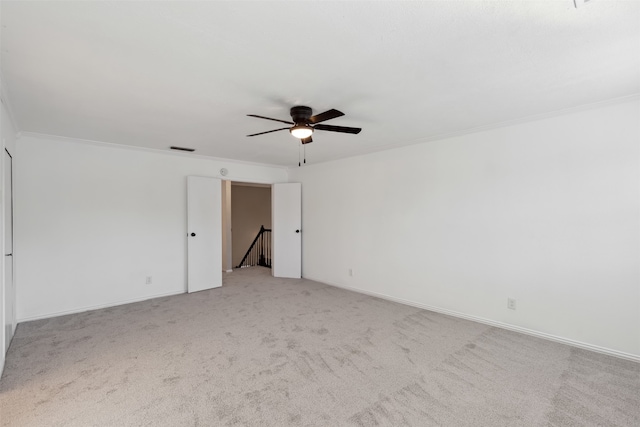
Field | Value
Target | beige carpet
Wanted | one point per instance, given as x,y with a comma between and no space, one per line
276,352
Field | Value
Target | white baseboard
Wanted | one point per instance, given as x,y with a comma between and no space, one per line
96,307
562,340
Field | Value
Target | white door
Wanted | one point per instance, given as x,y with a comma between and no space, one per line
286,221
9,295
204,233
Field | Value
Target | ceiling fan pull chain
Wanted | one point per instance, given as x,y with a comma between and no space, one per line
299,146
304,150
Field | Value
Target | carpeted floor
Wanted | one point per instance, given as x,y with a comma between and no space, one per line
277,352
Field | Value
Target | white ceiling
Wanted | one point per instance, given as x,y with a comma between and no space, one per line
155,74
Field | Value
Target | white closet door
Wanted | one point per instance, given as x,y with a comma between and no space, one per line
286,205
10,293
204,233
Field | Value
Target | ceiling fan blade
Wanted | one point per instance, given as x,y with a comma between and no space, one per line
307,140
327,115
269,118
342,129
269,131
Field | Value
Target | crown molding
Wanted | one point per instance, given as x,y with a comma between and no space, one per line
145,149
478,129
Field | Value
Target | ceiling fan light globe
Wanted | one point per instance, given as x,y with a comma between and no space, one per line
301,131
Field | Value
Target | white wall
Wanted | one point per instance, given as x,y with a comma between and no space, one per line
250,208
546,212
7,294
92,221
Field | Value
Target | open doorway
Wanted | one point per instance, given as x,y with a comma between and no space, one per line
250,216
251,208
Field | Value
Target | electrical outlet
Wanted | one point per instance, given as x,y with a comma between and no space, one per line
350,272
511,303
149,280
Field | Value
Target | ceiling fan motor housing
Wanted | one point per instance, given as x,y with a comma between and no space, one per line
300,114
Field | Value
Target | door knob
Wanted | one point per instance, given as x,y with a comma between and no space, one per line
193,234
297,231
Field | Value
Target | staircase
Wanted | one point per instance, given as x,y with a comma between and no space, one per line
259,252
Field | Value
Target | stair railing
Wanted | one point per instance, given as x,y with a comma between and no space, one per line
259,253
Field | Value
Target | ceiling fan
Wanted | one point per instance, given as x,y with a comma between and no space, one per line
304,123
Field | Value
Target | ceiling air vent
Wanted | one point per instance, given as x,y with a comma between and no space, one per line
183,149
